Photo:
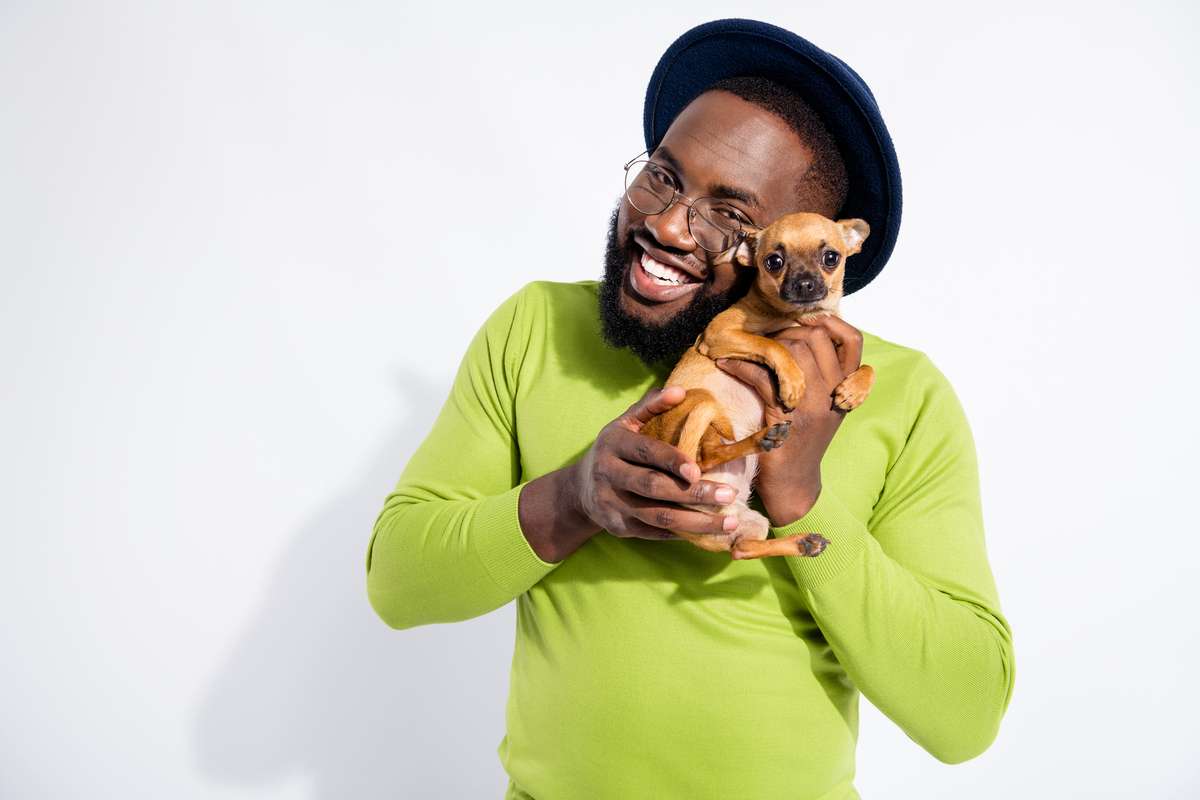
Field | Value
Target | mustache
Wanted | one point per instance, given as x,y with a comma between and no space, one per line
698,265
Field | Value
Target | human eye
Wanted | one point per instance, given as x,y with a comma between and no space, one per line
731,214
662,176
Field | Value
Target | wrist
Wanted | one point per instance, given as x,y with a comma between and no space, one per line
569,496
575,527
551,517
793,505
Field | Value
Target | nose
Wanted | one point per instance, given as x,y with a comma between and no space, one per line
803,287
670,228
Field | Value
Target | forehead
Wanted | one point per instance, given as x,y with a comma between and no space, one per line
719,138
802,232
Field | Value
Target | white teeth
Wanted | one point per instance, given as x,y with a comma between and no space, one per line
662,273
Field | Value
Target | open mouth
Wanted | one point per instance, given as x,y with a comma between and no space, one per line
657,282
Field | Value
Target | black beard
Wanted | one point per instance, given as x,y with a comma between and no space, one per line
655,344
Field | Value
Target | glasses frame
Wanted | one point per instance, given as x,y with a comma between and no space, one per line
739,235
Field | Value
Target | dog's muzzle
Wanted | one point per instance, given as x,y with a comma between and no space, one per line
803,287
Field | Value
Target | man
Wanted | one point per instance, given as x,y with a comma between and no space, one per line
648,668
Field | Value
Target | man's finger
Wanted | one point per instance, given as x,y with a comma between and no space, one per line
827,358
641,449
846,338
805,343
680,519
653,403
636,529
662,487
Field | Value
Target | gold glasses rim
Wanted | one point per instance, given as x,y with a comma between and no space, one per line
737,235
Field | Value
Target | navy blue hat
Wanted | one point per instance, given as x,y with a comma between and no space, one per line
728,48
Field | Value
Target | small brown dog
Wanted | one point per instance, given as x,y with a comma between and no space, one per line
800,260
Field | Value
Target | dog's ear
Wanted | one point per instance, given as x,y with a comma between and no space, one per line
742,254
854,233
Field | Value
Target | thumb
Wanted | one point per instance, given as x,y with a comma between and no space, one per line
653,403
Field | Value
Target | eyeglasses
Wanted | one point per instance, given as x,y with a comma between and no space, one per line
651,189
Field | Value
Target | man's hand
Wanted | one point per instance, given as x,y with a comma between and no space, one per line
827,350
631,484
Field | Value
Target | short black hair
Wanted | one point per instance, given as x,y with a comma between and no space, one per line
826,176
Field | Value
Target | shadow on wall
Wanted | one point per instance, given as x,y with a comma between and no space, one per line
318,685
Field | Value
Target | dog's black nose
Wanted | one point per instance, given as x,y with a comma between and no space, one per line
803,288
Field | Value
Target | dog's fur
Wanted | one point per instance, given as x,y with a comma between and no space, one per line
719,423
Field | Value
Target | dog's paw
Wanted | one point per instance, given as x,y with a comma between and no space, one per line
790,394
811,544
847,397
776,435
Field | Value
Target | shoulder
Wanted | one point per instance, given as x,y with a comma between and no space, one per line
905,374
539,311
523,309
555,308
541,296
897,359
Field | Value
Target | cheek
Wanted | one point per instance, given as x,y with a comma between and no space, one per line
724,276
627,216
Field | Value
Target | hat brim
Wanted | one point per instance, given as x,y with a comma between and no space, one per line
729,48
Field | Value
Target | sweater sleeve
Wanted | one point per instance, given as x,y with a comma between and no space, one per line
907,602
448,545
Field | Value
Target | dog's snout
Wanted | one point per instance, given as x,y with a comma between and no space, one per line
803,287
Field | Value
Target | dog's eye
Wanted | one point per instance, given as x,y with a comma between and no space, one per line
774,262
831,258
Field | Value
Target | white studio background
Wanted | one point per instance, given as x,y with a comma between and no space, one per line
243,248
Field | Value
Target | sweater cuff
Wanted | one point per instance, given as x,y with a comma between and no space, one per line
502,547
848,538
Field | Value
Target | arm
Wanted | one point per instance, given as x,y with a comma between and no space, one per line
462,534
448,544
908,602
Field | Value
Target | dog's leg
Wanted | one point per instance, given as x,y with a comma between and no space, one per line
667,426
732,343
852,391
694,428
713,543
713,451
804,544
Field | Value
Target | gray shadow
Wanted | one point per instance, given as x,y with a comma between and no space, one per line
318,685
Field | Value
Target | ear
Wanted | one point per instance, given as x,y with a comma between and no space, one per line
854,232
742,254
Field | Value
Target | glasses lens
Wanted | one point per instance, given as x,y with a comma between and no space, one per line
648,188
714,226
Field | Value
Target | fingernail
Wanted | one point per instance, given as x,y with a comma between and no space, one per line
730,524
725,494
691,472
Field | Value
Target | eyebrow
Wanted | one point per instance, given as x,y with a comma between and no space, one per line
716,190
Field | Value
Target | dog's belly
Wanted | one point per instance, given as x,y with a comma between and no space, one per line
741,405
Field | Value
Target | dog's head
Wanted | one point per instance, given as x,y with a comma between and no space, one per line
801,260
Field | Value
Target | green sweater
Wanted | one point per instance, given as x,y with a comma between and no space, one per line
651,669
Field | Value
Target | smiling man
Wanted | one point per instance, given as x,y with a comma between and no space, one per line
659,291
644,666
